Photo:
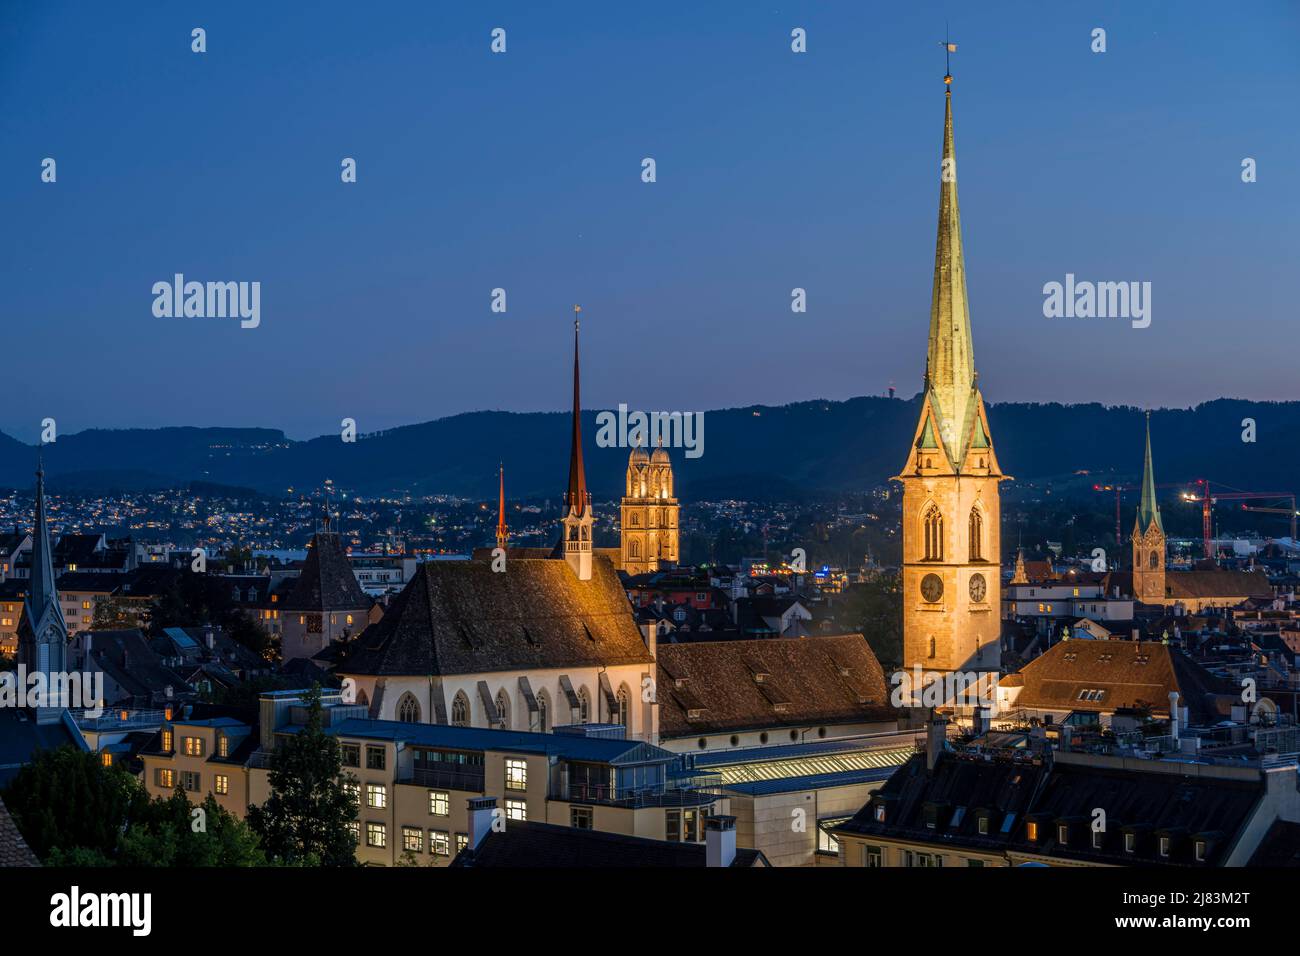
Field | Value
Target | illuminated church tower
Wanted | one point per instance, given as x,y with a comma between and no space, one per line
649,519
577,521
42,632
1148,538
951,513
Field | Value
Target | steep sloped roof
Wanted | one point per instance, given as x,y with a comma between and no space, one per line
327,582
773,682
461,617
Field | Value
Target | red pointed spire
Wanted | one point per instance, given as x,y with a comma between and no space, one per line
576,498
503,532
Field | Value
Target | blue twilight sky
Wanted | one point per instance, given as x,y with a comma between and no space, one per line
522,171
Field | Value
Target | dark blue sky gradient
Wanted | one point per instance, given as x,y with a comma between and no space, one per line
523,171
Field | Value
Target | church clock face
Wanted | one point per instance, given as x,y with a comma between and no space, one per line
978,588
932,587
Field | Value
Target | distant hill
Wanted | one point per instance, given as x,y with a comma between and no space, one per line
757,452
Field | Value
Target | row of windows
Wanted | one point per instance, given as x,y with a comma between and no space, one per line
408,709
194,746
932,528
191,781
376,756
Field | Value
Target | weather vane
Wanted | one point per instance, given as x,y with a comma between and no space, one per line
949,48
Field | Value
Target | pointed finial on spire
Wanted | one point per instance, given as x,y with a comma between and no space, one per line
576,497
503,533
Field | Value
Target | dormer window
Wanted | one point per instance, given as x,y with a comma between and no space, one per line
1164,846
984,826
1031,830
880,813
1130,843
1097,836
1200,851
1063,834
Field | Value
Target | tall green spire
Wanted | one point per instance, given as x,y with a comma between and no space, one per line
950,361
1148,510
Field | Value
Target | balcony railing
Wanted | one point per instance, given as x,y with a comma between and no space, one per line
113,720
467,781
646,797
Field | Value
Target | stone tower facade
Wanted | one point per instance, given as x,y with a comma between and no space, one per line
951,511
1148,538
649,518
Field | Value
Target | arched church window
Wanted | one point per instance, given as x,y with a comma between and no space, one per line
503,708
624,701
933,524
573,533
542,706
976,535
584,532
932,647
1155,560
408,709
634,549
584,707
460,710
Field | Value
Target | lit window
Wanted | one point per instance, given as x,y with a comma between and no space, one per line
580,818
349,619
167,740
193,746
223,745
376,795
166,778
106,759
352,789
516,775
376,835
516,810
355,829
439,803
413,839
223,784
439,843
880,813
462,841
1031,830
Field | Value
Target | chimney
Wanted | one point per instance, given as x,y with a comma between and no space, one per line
1173,714
936,738
482,811
719,841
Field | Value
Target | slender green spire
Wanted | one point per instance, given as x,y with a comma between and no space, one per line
1148,510
950,361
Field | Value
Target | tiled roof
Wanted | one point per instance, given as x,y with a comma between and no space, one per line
1128,673
736,685
13,848
461,617
942,807
327,582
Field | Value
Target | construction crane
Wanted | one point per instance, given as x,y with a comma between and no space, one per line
1119,490
1207,498
1277,511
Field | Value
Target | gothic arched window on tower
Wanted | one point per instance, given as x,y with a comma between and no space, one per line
976,535
932,648
933,523
503,708
584,532
1155,560
634,549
